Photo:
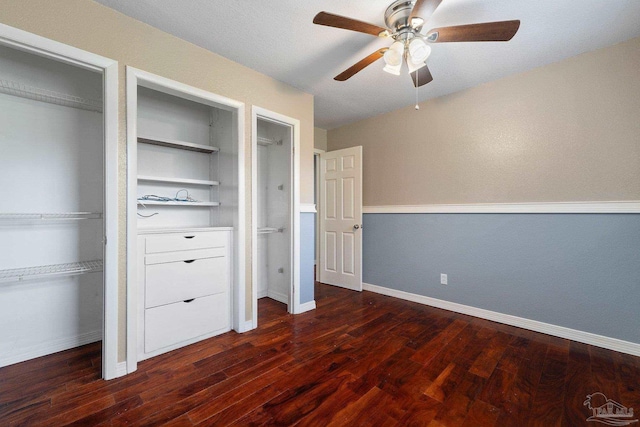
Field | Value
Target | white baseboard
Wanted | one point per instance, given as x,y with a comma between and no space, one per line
278,296
262,294
121,369
520,322
49,347
245,326
307,306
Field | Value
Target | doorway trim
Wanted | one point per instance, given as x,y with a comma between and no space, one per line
317,152
294,291
31,43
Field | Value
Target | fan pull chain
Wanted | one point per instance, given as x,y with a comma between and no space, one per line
417,83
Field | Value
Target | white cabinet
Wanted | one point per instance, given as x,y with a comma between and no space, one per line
185,288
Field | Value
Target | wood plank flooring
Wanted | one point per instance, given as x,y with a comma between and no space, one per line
359,359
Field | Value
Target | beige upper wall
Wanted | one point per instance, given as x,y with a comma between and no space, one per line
569,131
92,27
320,139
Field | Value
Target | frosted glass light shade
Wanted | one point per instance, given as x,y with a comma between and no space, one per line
393,69
393,56
413,66
419,51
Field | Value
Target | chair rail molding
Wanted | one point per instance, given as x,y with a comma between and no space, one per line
631,206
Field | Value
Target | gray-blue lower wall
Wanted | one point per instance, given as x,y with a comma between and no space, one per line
307,256
580,271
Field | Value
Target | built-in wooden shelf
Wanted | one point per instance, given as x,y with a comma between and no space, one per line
178,180
176,203
178,144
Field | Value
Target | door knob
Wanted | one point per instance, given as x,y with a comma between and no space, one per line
355,227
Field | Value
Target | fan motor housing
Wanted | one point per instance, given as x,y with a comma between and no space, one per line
397,14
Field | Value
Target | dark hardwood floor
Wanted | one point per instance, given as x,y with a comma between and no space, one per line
359,359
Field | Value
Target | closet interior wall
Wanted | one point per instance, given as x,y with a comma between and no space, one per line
51,206
274,210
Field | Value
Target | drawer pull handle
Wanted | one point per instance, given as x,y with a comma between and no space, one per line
189,261
188,300
189,237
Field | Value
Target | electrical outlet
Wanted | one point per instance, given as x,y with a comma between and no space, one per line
443,279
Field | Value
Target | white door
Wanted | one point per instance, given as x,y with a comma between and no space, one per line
341,218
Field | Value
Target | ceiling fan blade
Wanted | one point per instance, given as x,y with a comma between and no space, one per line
337,21
359,66
424,9
501,31
421,76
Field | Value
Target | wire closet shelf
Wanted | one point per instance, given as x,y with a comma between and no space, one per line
9,87
50,216
69,269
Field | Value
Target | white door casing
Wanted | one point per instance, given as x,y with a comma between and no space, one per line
341,218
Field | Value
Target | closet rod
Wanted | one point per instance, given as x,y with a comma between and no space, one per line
43,95
269,230
267,141
69,269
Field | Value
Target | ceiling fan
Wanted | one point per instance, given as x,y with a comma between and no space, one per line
405,20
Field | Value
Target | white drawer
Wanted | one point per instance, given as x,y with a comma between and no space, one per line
174,323
186,241
182,280
165,257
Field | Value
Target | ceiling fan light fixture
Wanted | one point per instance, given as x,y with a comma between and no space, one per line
393,69
419,51
393,56
413,66
417,22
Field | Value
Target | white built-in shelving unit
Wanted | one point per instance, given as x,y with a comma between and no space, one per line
52,204
186,157
178,156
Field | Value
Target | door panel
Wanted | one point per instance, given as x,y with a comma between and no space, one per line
341,218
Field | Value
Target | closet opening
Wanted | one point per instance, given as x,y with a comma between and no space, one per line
276,210
57,210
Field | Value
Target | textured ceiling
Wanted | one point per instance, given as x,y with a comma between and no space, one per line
278,38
